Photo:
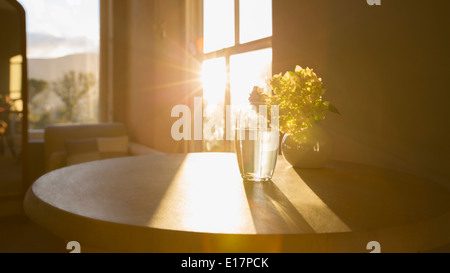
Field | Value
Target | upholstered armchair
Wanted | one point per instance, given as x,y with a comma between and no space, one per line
73,144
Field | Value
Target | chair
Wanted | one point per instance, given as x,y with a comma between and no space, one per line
73,144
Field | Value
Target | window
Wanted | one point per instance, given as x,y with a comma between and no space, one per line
15,80
63,61
237,49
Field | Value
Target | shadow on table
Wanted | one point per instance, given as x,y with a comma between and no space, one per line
271,210
368,197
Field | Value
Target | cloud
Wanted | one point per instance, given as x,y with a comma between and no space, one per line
42,45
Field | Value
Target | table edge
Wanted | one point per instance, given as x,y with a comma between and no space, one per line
416,237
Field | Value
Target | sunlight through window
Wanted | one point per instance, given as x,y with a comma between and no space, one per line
214,84
255,19
232,65
15,74
214,80
218,24
247,70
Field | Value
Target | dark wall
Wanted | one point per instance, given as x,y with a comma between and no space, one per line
386,68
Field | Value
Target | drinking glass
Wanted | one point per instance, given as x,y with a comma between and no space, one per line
256,143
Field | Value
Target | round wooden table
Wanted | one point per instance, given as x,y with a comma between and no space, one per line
198,203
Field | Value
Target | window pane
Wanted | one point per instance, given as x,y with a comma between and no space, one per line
63,61
15,77
214,80
218,24
214,77
255,19
247,70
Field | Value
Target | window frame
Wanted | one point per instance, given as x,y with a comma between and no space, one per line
238,48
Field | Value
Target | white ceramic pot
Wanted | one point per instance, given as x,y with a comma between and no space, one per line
313,151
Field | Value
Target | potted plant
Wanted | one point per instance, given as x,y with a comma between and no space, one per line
299,95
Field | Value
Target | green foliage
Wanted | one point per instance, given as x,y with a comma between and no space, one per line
299,95
38,121
36,95
36,86
72,87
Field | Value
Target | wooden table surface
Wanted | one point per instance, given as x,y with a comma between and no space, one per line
198,203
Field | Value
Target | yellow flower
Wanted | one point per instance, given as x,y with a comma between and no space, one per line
257,97
299,96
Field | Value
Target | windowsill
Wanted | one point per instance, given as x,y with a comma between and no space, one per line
35,134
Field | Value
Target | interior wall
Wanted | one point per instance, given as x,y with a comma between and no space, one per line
385,67
113,60
155,71
120,59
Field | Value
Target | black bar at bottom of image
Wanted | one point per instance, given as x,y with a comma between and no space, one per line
229,262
